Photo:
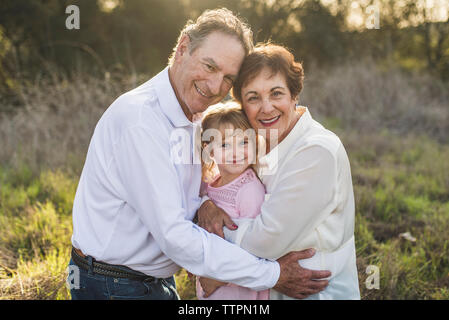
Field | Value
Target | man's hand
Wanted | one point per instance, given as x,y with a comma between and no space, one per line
213,218
297,282
210,285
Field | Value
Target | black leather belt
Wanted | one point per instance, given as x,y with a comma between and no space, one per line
109,270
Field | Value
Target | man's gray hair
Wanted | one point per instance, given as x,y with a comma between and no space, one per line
221,20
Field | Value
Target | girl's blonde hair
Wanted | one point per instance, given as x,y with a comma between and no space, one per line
219,117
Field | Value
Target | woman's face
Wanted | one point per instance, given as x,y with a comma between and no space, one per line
268,104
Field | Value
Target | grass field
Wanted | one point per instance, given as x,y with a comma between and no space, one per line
401,184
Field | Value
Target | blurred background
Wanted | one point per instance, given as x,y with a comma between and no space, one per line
377,74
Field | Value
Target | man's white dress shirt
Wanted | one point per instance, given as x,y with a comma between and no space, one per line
309,204
135,199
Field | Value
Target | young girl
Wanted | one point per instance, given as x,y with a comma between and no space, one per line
230,147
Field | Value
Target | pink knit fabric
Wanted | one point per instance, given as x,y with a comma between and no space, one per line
241,198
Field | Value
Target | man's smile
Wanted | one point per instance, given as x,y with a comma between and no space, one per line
201,92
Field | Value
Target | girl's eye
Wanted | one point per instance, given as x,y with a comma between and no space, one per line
225,145
253,98
277,93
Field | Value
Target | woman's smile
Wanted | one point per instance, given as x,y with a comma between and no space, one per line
270,121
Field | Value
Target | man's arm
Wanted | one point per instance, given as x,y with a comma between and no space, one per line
152,189
294,281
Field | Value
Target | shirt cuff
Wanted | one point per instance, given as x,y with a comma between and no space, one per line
276,274
203,199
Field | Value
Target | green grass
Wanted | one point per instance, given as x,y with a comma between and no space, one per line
401,184
404,188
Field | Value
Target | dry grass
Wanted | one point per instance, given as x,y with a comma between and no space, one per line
365,97
55,122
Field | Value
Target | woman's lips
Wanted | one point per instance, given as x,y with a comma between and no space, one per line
269,122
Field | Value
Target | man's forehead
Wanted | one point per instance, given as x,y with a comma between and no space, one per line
219,49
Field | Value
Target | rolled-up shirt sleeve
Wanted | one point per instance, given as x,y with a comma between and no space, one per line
151,187
303,197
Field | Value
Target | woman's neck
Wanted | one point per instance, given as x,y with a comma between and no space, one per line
272,144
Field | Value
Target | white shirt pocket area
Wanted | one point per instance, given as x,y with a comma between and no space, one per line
335,262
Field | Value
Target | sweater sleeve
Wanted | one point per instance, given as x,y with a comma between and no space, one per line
303,197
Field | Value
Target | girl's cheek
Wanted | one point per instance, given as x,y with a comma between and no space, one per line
250,154
241,152
227,156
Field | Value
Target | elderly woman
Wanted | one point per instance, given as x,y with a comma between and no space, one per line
306,172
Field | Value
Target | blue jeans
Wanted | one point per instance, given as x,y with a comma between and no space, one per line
85,285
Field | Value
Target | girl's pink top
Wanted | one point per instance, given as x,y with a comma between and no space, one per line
241,198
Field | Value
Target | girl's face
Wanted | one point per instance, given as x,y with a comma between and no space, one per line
234,152
268,104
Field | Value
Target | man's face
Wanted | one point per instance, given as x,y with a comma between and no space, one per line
205,76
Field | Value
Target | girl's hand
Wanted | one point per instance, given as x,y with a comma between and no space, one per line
210,285
213,218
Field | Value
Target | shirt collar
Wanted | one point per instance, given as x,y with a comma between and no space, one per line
169,103
269,162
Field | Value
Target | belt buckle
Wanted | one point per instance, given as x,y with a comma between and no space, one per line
149,279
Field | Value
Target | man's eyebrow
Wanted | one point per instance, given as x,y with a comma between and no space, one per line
212,62
215,65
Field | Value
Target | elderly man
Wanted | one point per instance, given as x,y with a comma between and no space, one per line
133,209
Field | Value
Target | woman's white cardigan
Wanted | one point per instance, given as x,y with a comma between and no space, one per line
309,204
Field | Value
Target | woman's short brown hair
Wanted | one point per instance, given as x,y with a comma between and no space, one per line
278,60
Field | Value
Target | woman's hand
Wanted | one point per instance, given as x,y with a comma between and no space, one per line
210,285
213,218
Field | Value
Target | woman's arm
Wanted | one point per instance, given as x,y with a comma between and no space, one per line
303,197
